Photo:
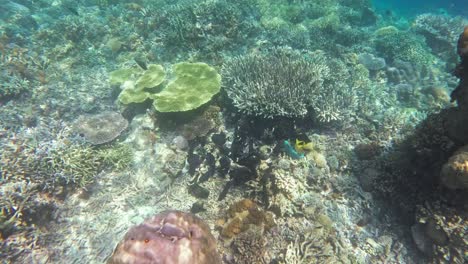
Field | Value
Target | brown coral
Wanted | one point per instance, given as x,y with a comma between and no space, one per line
170,237
241,215
250,247
454,174
101,128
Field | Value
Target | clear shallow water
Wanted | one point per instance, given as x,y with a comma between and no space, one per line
332,183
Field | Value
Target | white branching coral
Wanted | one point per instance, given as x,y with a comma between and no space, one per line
298,252
279,84
286,83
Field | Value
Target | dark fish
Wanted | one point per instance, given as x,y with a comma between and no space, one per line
141,63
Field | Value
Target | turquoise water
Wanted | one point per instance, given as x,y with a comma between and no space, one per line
253,131
454,7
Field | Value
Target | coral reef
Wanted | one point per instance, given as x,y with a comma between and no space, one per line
120,76
428,168
360,95
423,87
153,76
204,27
198,127
12,85
440,32
168,237
118,156
371,62
394,44
21,71
155,162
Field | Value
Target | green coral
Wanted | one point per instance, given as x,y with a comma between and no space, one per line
79,165
132,95
152,77
118,156
195,85
120,76
136,91
75,164
12,85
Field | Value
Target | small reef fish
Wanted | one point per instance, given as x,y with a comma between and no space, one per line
291,151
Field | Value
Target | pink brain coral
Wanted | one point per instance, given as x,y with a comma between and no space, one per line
171,237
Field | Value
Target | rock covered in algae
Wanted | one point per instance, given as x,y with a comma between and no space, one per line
171,237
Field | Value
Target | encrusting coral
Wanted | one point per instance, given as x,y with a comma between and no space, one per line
169,237
101,128
241,215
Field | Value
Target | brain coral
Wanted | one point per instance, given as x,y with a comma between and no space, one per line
101,128
171,237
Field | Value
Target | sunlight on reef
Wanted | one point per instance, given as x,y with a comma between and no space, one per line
238,132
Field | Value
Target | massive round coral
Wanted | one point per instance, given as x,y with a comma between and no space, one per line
171,237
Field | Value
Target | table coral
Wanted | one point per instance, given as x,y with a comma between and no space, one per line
194,85
169,237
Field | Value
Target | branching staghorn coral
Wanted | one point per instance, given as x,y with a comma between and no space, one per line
287,83
278,84
298,252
